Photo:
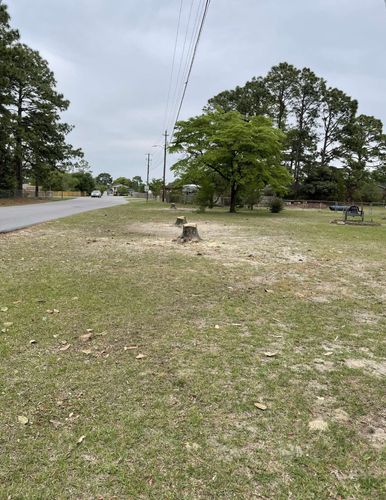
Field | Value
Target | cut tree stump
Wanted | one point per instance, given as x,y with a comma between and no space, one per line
173,206
181,221
189,233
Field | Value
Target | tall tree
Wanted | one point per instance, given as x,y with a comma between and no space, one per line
37,105
363,150
305,108
280,83
250,100
337,111
8,37
241,152
104,179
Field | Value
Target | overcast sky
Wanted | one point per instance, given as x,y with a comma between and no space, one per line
113,60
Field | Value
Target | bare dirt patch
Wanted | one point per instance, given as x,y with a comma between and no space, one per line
377,368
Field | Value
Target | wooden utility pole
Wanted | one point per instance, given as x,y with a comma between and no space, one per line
164,173
147,176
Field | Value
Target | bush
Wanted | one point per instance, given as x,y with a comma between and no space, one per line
123,191
276,205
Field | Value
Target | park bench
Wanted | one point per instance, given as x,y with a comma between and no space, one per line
354,211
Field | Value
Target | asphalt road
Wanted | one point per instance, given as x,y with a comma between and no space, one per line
12,218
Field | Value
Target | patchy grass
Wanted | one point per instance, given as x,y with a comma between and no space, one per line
11,202
286,311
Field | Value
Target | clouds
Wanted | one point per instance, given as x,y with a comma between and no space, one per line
112,60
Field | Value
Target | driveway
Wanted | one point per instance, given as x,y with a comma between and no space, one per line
12,218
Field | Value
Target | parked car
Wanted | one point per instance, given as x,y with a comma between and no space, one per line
96,194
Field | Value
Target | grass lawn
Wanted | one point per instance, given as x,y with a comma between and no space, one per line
131,366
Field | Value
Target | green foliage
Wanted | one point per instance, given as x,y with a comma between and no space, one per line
239,151
32,136
137,184
124,181
104,179
123,190
276,205
322,130
250,195
84,182
369,192
155,186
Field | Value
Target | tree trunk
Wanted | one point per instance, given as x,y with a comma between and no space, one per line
36,188
18,147
181,221
189,233
232,208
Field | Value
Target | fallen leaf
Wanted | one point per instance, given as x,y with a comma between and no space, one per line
217,327
81,439
261,406
22,420
86,337
65,348
89,330
88,352
140,356
7,324
3,330
33,341
75,298
131,348
17,302
4,309
266,290
49,311
56,311
271,354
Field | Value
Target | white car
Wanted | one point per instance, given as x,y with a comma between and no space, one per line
96,194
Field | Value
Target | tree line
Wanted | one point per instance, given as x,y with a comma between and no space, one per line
33,143
330,150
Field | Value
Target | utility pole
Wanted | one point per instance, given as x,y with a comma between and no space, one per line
147,176
164,174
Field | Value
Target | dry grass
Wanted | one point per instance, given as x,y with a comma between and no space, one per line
281,310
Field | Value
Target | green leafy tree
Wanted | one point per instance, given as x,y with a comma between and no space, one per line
280,82
124,181
251,100
156,186
123,190
137,184
104,179
337,111
84,182
239,151
363,149
8,37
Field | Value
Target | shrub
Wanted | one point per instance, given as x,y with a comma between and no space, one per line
276,205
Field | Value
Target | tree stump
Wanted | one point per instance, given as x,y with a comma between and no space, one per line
173,206
189,233
181,221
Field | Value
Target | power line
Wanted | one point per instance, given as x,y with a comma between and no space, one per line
175,94
207,5
173,62
193,37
